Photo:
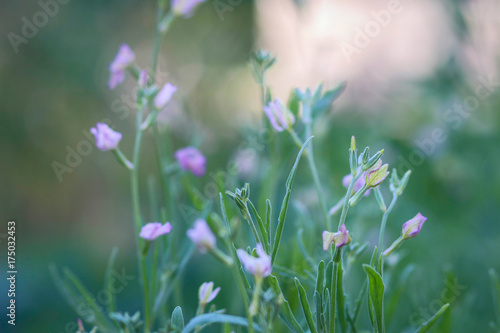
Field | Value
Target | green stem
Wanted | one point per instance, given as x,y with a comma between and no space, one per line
256,294
382,231
138,219
345,207
312,164
333,297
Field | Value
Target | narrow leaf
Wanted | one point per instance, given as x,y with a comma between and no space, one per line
305,306
376,291
284,205
428,324
108,280
213,318
285,309
341,298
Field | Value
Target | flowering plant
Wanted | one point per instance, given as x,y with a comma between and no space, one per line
259,273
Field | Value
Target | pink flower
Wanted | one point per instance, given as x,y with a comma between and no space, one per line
153,230
412,227
143,78
124,58
258,267
279,116
206,293
105,137
202,236
191,159
164,96
185,7
339,238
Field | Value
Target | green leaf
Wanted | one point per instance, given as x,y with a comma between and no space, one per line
428,324
293,103
284,205
341,298
177,319
108,280
495,292
318,303
260,223
376,293
325,102
213,318
269,210
320,278
305,306
287,314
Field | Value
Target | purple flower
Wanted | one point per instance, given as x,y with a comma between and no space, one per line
164,96
206,293
124,58
185,7
279,116
105,137
358,185
339,238
143,78
258,267
202,236
191,159
412,227
153,230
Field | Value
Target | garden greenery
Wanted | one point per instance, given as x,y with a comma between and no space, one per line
318,302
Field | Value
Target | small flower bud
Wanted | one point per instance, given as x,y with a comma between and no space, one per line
105,137
402,184
260,266
191,159
373,160
339,238
124,58
279,116
206,293
412,227
153,230
185,7
164,96
202,236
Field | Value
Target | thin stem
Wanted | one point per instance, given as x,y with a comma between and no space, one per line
345,207
138,219
312,164
382,229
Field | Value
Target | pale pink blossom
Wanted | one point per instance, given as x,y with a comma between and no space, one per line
191,159
206,293
164,96
124,58
105,137
153,230
202,236
260,266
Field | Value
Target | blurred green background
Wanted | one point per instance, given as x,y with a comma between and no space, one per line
408,87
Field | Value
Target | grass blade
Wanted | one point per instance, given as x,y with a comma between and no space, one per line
305,306
284,205
428,324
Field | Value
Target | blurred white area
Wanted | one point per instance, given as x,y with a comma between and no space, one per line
377,46
482,49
